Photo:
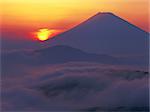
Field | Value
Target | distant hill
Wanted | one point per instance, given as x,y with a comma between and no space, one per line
62,54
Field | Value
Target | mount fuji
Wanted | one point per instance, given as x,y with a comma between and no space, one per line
105,33
103,38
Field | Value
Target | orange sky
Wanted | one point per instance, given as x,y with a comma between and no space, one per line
30,15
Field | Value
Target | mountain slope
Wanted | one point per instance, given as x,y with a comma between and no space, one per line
105,33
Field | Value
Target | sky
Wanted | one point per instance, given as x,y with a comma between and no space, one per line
21,17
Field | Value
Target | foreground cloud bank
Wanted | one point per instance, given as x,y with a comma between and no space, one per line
76,86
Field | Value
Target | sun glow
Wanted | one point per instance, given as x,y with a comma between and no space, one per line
44,34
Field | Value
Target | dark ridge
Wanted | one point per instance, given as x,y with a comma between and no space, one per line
118,109
58,47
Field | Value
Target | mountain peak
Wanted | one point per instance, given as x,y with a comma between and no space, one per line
109,18
99,14
105,33
104,13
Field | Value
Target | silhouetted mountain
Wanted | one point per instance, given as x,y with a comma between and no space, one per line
105,33
54,55
101,34
62,54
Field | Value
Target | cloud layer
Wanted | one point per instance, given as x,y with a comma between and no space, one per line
76,86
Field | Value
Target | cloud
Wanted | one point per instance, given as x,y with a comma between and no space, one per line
76,86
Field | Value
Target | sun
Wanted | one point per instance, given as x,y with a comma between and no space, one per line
43,34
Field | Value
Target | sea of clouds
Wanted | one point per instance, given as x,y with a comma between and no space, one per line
76,86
